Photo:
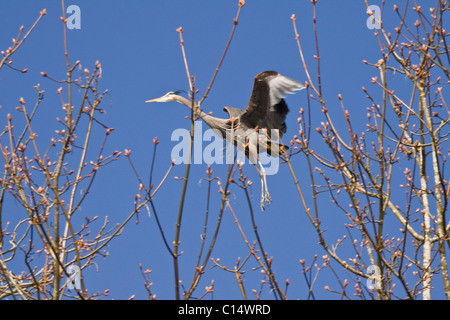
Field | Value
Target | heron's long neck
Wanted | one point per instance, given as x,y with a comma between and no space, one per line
212,122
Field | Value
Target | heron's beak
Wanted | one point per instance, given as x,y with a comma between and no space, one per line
154,100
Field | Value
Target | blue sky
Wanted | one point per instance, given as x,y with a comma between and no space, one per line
138,47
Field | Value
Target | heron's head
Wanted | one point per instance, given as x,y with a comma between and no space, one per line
169,96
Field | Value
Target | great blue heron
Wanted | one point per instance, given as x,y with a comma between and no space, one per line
266,111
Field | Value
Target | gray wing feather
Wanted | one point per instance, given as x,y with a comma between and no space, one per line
280,86
233,112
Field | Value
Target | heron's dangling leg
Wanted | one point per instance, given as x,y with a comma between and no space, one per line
265,195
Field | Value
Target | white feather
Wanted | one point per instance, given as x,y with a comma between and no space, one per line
280,86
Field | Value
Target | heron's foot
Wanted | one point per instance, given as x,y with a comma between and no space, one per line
266,199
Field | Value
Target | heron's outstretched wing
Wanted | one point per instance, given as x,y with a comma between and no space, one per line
266,108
